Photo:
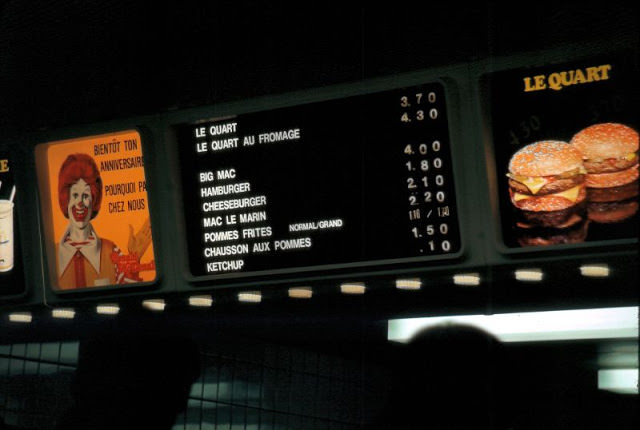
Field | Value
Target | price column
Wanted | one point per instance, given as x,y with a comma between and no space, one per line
429,185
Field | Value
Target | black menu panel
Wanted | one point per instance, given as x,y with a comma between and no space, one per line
353,182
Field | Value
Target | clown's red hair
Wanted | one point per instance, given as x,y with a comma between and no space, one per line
74,168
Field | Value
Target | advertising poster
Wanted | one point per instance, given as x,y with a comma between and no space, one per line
11,275
96,211
565,140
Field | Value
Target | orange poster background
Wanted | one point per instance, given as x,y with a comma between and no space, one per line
109,223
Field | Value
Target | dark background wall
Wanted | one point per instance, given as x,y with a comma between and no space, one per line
70,62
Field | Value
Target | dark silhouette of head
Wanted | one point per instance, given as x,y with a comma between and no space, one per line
127,382
449,376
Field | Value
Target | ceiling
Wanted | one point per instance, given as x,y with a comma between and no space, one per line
71,62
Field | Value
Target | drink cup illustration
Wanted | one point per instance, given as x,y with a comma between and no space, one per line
6,235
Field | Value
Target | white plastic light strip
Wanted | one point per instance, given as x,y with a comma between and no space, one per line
595,270
63,313
624,381
529,275
602,323
408,284
21,317
108,309
300,292
467,279
201,301
250,297
154,304
353,288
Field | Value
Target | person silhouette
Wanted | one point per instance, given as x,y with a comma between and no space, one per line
449,376
131,382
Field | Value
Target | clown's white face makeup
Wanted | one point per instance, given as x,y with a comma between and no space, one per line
80,204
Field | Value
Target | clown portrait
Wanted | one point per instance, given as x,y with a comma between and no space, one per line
83,258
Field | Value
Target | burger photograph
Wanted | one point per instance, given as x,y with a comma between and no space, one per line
610,156
559,189
565,156
548,192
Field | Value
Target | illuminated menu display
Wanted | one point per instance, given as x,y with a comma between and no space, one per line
565,139
358,181
96,214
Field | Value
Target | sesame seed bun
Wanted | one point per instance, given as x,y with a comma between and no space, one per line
545,158
606,140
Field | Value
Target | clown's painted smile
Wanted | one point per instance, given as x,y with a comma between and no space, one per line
80,204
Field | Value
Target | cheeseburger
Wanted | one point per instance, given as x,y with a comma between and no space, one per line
546,184
610,155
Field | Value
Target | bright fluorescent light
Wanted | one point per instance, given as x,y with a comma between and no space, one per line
624,381
595,270
250,297
21,317
605,323
154,304
529,275
201,301
408,284
467,279
353,288
108,309
63,313
300,292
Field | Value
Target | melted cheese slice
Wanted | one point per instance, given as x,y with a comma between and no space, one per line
571,194
533,183
630,156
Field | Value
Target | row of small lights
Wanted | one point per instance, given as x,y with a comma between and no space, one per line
352,288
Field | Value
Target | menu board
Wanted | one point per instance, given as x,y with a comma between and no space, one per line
565,139
352,182
95,211
11,272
